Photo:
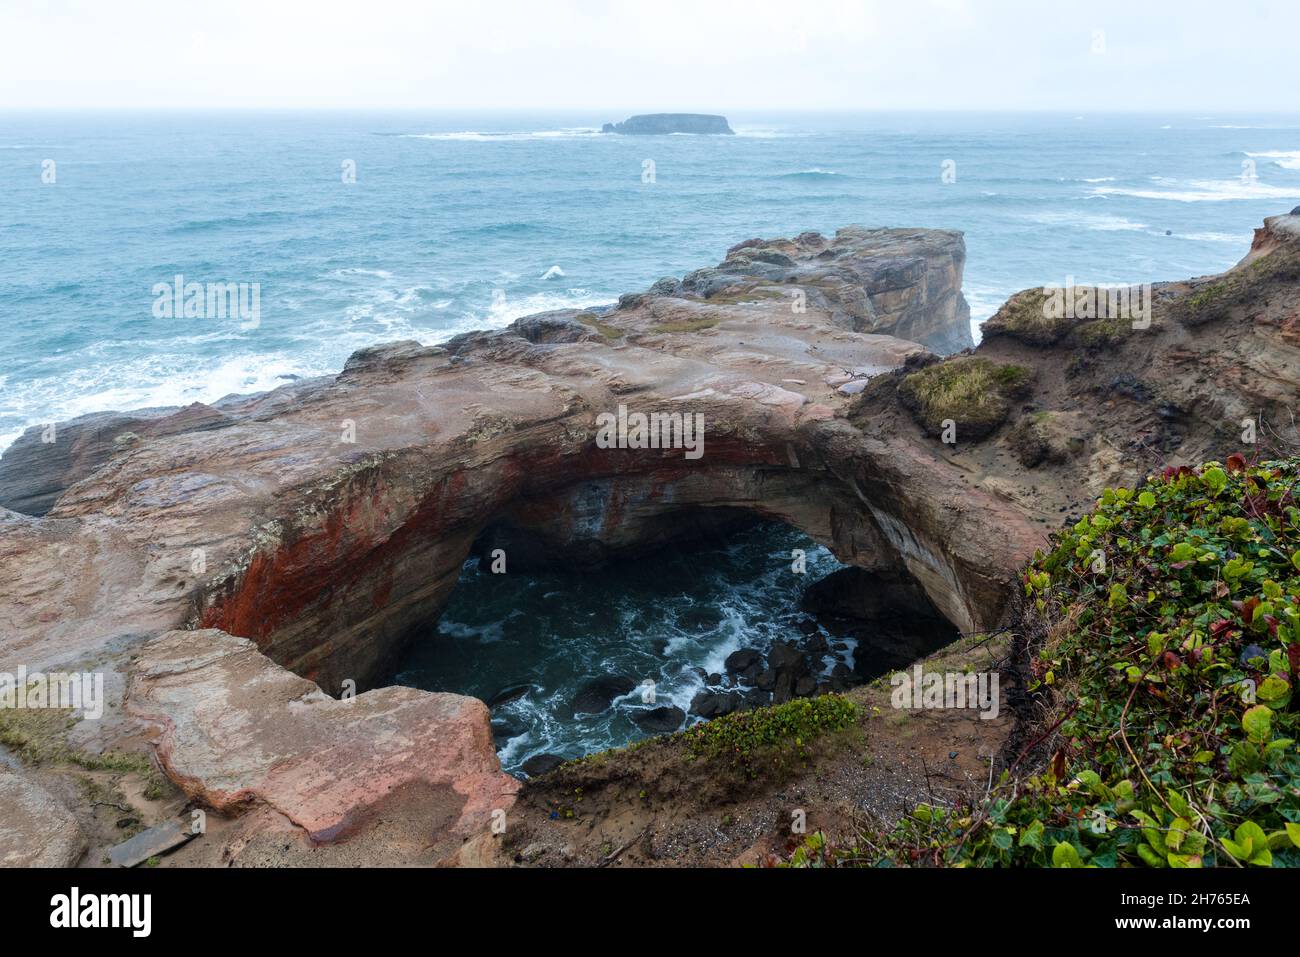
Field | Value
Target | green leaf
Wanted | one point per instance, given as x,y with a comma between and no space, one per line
1151,857
1215,479
1279,841
1236,850
1066,854
1177,833
1252,840
1293,832
1033,836
1272,688
1258,723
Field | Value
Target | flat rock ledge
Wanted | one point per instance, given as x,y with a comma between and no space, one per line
237,728
36,830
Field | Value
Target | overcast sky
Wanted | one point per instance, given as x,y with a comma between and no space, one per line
620,57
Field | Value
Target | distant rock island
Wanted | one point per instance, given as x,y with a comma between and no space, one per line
659,124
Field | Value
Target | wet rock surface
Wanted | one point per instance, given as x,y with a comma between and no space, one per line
598,694
661,720
323,547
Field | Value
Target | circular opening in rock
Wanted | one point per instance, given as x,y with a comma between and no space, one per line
577,660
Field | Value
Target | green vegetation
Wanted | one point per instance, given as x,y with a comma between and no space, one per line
687,325
735,297
1210,303
1100,333
1025,317
1032,317
771,736
1208,295
38,736
1242,287
592,321
1172,651
971,391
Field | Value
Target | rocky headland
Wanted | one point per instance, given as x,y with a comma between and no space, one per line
245,573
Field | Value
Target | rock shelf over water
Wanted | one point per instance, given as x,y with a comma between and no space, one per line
228,567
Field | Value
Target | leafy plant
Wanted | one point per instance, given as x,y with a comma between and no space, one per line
771,735
1170,669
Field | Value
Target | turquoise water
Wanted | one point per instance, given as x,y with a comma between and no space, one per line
456,222
671,618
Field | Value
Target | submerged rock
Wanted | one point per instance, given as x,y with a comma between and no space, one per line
506,695
597,695
660,720
540,764
503,729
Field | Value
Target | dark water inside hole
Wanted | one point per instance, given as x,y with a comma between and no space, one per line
661,618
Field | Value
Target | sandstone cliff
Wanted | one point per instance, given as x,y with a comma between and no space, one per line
326,521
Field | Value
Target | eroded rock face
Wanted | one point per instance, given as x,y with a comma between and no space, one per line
236,728
45,460
326,520
323,519
1211,368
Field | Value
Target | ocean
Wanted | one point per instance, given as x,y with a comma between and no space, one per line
362,228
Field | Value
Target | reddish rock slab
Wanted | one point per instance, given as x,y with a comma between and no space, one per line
238,729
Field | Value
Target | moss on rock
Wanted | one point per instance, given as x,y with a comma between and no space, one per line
970,391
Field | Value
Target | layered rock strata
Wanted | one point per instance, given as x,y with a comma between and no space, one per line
234,569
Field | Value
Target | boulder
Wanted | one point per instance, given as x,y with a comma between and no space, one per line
660,720
235,727
785,657
713,704
540,764
597,695
508,694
